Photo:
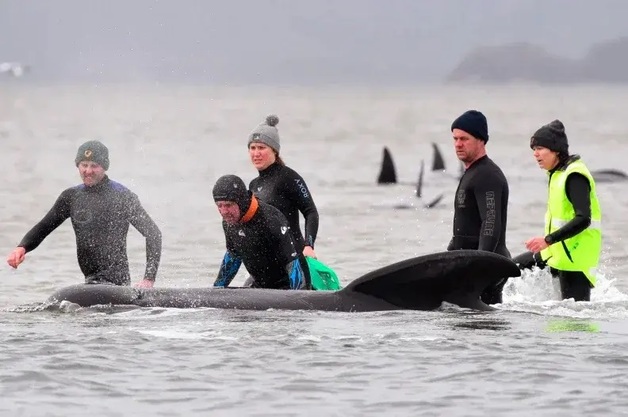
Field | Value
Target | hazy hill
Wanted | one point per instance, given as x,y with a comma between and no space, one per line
605,62
287,41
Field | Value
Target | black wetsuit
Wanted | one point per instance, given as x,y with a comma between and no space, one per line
100,216
480,215
573,284
266,247
286,190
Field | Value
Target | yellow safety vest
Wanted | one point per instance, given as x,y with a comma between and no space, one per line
581,252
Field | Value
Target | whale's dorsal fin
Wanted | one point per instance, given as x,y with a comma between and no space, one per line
438,164
387,172
424,282
419,184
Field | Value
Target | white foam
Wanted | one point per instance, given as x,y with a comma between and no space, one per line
537,291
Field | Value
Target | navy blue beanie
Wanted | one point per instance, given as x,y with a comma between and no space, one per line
474,123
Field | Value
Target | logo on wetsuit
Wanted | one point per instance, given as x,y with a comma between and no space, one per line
82,216
461,197
489,227
302,188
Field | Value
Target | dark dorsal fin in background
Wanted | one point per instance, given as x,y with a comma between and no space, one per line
611,171
419,189
424,282
419,184
608,175
435,201
438,164
387,173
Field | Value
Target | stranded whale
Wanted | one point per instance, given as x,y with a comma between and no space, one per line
421,283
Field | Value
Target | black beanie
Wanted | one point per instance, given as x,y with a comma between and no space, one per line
94,151
232,188
553,137
474,123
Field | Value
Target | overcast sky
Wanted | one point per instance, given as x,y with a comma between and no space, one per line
286,41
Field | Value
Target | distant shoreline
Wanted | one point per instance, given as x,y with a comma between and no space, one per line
605,63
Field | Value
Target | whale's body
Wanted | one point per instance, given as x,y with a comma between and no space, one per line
421,283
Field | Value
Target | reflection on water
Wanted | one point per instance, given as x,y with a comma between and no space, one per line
475,320
572,325
492,324
246,316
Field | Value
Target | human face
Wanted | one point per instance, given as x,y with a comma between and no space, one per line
546,158
91,173
229,211
468,148
262,156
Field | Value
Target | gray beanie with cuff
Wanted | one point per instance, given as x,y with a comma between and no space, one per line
267,133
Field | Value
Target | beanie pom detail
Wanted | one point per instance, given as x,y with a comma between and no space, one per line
272,120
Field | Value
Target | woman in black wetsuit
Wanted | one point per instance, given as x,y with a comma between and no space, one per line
281,186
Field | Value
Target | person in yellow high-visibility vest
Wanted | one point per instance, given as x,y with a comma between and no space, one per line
572,241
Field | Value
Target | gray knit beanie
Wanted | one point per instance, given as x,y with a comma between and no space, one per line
95,151
267,133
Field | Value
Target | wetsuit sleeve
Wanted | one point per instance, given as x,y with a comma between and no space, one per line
229,267
59,212
527,260
488,195
147,227
299,193
578,192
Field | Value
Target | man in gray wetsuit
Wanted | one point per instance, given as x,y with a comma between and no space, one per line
101,211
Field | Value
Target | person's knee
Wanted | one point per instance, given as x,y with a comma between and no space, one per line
528,260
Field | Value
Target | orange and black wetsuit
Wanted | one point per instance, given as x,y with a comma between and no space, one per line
262,241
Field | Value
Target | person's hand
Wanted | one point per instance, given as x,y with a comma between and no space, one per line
536,244
145,283
16,257
308,251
